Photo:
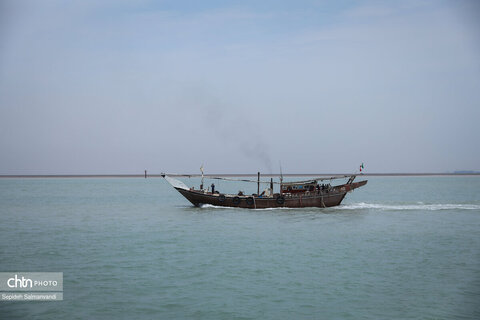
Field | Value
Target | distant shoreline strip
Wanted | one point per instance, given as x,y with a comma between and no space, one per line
237,175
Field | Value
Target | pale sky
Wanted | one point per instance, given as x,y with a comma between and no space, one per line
106,87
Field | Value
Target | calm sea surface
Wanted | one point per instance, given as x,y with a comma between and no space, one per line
398,248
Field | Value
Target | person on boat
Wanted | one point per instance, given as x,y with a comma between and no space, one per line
213,188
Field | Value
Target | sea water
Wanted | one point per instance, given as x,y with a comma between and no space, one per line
131,248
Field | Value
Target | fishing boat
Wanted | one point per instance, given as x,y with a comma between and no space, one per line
299,194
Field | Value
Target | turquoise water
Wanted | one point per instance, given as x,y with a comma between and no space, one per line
398,248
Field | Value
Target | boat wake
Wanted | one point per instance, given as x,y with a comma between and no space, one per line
376,206
211,206
418,206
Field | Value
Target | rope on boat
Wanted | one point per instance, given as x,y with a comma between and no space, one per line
256,181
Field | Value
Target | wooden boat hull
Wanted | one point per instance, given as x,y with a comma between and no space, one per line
321,199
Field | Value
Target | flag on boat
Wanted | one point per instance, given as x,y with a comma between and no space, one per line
361,167
201,168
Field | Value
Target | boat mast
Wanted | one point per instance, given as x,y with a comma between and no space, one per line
258,184
281,177
281,174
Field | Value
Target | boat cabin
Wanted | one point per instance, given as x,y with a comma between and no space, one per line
298,187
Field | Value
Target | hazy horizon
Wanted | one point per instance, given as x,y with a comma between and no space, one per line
249,174
117,87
